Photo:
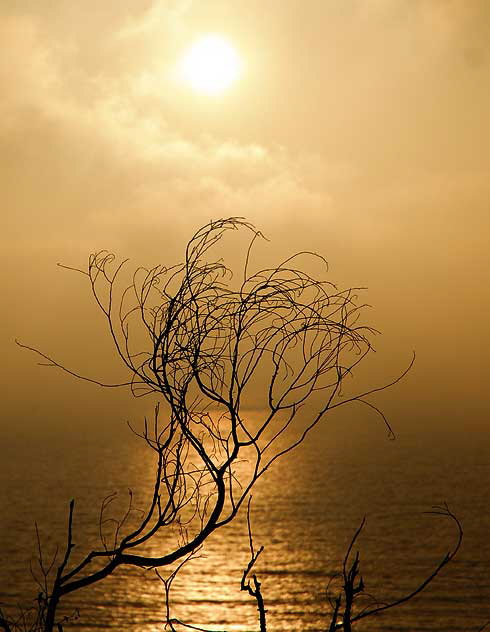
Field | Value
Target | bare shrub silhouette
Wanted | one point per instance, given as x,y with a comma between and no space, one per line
351,603
211,344
346,594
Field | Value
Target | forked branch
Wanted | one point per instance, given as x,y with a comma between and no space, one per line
212,345
255,590
343,614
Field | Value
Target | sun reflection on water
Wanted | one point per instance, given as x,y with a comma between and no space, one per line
303,512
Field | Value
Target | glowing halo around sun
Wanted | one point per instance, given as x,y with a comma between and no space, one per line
211,65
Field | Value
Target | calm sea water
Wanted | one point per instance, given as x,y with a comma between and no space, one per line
304,513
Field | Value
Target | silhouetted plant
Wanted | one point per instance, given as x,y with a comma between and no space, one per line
254,591
209,344
349,602
352,604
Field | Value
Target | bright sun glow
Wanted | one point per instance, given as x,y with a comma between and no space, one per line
211,65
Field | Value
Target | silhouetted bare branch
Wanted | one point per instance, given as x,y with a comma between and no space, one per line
254,591
343,615
210,345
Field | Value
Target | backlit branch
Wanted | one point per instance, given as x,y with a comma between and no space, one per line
212,346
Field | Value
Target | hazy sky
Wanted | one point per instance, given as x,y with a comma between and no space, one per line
360,129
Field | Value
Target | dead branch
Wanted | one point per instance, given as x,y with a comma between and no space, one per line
353,584
208,343
254,591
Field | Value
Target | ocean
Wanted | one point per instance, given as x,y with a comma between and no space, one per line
304,512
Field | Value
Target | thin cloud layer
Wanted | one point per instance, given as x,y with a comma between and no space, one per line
91,135
359,130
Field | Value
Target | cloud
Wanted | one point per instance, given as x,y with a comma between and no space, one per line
102,138
359,133
170,15
461,29
91,160
27,73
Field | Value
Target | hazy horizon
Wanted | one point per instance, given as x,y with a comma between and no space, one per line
355,129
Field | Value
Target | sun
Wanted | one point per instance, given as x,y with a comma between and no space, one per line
211,65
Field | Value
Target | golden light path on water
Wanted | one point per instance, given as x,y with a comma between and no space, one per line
304,513
207,592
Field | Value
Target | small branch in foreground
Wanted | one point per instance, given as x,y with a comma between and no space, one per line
352,590
254,591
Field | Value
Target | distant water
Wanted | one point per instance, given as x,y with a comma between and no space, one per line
304,513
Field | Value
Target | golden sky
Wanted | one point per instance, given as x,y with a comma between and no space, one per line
359,129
